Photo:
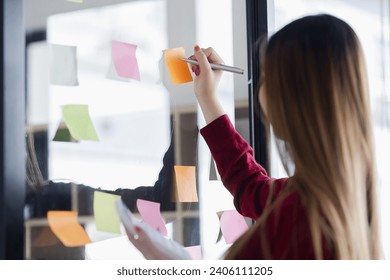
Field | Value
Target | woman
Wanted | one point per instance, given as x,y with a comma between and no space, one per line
314,94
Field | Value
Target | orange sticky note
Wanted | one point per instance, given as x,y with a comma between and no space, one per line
65,226
185,184
178,69
46,237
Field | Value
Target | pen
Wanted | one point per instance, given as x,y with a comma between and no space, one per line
217,66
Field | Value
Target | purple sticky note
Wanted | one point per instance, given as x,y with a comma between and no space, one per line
150,213
124,59
195,252
233,225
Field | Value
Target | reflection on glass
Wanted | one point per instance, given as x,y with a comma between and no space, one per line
145,126
134,156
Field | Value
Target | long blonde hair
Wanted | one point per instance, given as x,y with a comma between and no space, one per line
317,102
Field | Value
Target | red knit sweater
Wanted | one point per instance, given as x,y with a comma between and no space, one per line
287,230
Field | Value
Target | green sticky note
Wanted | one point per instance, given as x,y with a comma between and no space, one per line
79,123
63,135
105,214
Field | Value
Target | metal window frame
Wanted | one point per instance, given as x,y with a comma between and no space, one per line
12,127
257,12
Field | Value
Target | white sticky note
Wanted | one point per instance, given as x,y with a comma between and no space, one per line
63,65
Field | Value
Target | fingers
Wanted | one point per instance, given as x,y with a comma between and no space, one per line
204,58
136,235
201,57
212,56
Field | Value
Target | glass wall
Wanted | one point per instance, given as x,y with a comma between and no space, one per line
141,127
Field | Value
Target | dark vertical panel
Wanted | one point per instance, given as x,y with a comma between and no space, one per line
12,129
40,137
256,28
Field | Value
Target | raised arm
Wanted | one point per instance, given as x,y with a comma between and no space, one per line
206,83
246,180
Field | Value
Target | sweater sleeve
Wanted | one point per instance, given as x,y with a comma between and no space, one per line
246,180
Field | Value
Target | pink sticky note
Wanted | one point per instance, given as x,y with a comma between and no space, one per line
124,59
150,213
195,252
233,225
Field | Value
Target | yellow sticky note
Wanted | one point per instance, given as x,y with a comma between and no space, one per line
75,1
65,226
105,214
185,184
178,69
79,123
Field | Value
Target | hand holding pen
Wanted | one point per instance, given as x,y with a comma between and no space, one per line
215,66
206,81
